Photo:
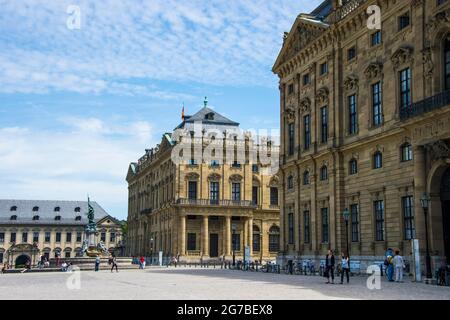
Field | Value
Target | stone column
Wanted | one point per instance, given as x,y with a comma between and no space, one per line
227,235
250,234
419,189
205,237
244,234
182,236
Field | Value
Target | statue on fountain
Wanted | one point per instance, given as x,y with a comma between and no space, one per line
90,247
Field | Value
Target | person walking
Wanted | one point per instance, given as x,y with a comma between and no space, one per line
345,267
399,264
329,266
114,263
142,263
97,263
389,265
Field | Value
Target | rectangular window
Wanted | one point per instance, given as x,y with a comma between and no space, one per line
1,257
47,236
324,124
58,237
408,217
403,21
192,241
255,168
325,227
355,222
273,196
291,228
192,186
405,88
377,112
256,242
103,236
24,237
69,237
274,242
306,223
235,191
35,236
236,242
353,115
78,236
351,53
376,38
2,238
255,195
323,68
307,132
112,237
291,134
379,220
214,192
67,254
13,237
306,79
291,89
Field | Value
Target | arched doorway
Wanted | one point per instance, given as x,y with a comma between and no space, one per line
445,199
22,260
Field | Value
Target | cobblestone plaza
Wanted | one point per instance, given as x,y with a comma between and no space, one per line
204,284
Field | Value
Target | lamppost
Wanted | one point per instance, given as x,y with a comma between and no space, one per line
234,244
346,215
425,202
151,251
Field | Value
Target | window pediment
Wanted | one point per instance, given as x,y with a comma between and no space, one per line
401,56
373,70
322,95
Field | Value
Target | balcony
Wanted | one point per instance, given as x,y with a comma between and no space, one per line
212,202
427,105
344,10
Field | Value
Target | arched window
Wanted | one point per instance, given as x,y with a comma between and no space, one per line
377,160
406,151
324,173
57,209
447,62
353,166
57,218
13,217
256,238
78,218
35,209
306,178
274,239
13,208
290,182
36,217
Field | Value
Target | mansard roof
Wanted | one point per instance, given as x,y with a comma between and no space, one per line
208,116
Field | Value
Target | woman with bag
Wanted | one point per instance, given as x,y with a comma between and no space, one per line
345,267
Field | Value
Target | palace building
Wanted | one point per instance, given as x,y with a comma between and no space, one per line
365,124
29,228
202,209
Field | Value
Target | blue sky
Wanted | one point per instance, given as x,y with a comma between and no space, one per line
77,106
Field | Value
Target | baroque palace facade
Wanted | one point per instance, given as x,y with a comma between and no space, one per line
29,228
201,210
365,124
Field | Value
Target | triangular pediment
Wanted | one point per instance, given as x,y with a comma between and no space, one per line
306,29
132,168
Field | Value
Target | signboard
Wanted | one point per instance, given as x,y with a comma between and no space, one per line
247,254
416,260
160,258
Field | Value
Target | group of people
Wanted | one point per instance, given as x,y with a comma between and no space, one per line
394,266
112,261
43,262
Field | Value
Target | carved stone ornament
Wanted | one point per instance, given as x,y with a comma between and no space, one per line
235,178
428,62
401,56
305,104
192,176
214,177
351,83
290,113
274,181
438,19
439,149
374,70
322,95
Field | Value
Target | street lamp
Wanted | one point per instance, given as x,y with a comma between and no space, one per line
425,202
234,244
151,251
346,215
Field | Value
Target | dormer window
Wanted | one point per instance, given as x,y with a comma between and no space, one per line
13,217
35,209
13,208
77,209
209,116
35,218
57,209
57,218
78,218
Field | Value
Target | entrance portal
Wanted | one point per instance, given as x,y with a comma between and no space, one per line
445,199
22,260
213,245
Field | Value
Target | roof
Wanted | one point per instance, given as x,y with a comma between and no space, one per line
324,9
208,116
46,212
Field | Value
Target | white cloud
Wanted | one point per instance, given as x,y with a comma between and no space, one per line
214,42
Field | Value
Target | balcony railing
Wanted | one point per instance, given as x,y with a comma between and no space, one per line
427,105
211,202
345,10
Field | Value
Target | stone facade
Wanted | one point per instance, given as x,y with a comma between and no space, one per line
172,209
375,104
29,228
